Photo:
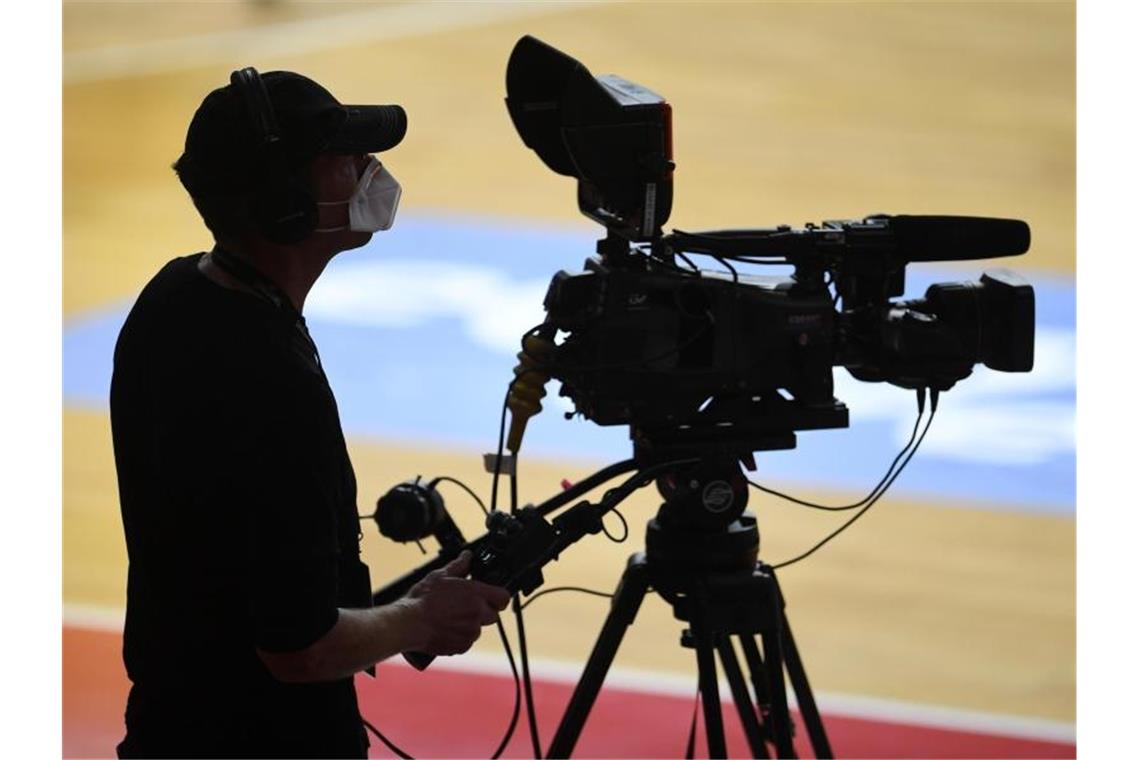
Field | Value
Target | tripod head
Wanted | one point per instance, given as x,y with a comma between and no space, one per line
701,526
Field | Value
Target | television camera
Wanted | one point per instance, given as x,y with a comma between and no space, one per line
692,358
707,367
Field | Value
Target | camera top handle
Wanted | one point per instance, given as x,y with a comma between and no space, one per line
904,237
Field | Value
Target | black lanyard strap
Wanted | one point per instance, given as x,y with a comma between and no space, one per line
266,289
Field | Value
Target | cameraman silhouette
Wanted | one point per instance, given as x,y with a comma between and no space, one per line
248,607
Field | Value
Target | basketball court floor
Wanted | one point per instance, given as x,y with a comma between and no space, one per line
941,624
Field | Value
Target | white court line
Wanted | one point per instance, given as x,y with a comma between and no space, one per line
91,618
673,684
385,22
846,705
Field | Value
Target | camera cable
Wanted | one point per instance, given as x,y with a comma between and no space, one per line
516,605
871,503
465,487
624,525
515,674
874,491
723,260
387,742
555,589
502,635
514,714
693,269
580,589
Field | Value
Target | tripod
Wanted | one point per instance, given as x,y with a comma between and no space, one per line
701,557
719,602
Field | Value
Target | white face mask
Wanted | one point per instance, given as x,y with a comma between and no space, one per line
372,206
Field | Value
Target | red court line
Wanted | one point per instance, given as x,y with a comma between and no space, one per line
449,713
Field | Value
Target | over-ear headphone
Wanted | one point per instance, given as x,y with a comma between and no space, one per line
282,205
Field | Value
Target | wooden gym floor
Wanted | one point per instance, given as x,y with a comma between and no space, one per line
783,112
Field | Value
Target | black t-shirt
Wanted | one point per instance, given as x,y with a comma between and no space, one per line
239,508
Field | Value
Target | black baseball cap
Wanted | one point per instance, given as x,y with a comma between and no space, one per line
226,142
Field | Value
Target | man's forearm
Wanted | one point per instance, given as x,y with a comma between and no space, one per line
360,638
441,615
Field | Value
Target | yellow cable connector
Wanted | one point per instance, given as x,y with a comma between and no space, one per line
524,399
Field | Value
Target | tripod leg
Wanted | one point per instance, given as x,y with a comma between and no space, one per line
741,697
627,600
768,680
706,675
757,675
798,676
774,668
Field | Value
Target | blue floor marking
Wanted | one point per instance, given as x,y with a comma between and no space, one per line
418,331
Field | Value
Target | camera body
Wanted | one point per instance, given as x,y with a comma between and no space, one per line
726,362
653,343
629,330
